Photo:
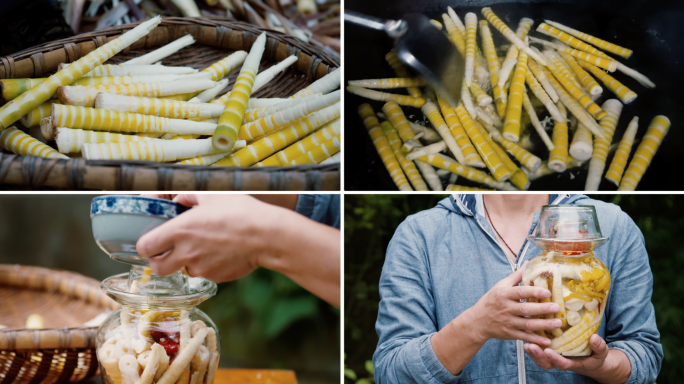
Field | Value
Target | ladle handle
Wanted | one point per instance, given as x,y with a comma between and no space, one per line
394,28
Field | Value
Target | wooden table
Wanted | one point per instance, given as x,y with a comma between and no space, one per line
254,376
239,376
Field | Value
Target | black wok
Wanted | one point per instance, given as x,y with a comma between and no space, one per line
654,30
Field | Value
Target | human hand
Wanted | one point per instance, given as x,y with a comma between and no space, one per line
221,238
288,201
549,359
499,314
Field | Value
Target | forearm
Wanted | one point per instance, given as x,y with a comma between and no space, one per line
615,370
285,201
457,343
307,252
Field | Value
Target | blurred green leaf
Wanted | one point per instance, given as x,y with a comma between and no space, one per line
286,311
349,374
369,367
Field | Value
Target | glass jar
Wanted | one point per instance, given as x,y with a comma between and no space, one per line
158,336
579,282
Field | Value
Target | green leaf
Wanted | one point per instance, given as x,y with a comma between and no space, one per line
363,381
288,310
369,367
349,374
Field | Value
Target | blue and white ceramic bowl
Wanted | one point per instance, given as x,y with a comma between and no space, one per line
119,221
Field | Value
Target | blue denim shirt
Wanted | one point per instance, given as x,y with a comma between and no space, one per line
324,209
440,262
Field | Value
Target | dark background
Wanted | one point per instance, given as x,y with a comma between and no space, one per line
370,222
265,319
652,29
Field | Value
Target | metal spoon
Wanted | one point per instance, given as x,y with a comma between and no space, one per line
422,47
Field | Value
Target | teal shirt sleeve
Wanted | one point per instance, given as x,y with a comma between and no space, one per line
324,209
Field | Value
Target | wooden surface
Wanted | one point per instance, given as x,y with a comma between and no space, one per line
254,376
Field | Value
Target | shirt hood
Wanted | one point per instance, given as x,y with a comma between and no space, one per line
466,204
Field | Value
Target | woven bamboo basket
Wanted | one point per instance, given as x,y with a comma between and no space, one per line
63,351
215,39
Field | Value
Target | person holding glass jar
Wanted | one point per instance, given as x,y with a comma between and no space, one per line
451,307
225,237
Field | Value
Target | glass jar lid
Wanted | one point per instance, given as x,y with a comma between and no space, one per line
568,228
195,291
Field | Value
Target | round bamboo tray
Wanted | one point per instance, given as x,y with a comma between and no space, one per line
215,39
63,351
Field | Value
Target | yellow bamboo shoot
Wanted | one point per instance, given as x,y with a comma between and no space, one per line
325,84
512,37
70,140
226,133
625,94
512,54
408,166
302,146
384,96
319,153
493,162
606,46
617,166
401,71
472,159
274,142
16,141
33,118
644,154
598,157
558,158
512,126
396,82
42,92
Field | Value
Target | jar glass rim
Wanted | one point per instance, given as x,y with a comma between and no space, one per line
200,288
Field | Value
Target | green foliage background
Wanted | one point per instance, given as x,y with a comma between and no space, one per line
370,222
265,319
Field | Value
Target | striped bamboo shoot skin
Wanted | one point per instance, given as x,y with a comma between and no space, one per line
70,140
541,94
262,78
471,43
231,119
568,39
389,83
574,106
483,99
512,37
543,80
383,148
587,81
512,126
602,44
649,145
149,150
617,166
601,62
162,52
256,114
157,107
280,119
625,94
319,153
585,101
396,116
518,177
431,111
443,162
493,62
598,157
461,188
205,160
472,159
408,166
16,141
401,71
512,54
408,101
558,157
524,157
276,141
454,34
11,88
493,162
42,92
136,70
226,65
302,146
84,96
33,118
103,120
325,84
